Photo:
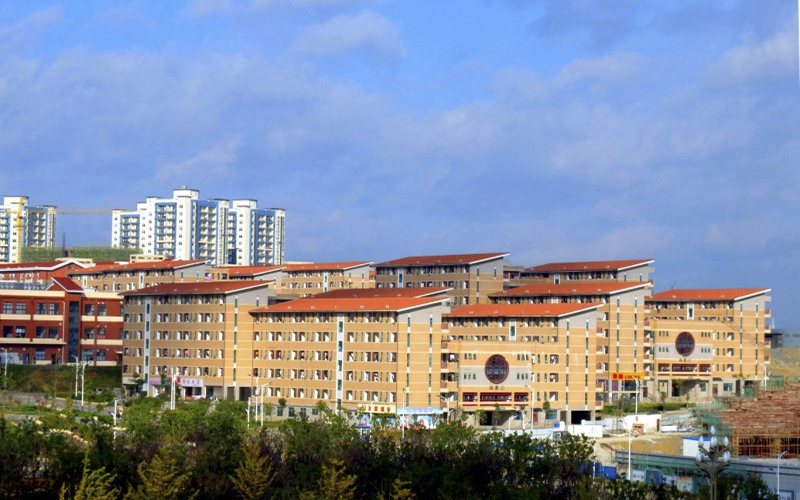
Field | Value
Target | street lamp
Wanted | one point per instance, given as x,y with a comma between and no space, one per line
531,389
83,380
261,410
631,434
713,460
778,473
76,378
5,366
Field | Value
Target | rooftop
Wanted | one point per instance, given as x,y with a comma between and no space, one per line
203,287
505,310
383,304
597,265
428,260
707,294
581,288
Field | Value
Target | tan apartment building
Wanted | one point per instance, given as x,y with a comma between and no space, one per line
307,279
538,359
471,277
123,277
200,332
297,280
624,350
379,355
635,270
709,342
59,322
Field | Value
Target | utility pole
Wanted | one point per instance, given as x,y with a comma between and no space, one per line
83,380
75,397
5,366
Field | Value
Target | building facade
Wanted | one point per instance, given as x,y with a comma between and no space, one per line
219,231
124,277
373,354
200,332
535,359
599,271
471,277
624,351
59,323
23,225
709,343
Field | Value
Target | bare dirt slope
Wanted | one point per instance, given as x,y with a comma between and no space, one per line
785,362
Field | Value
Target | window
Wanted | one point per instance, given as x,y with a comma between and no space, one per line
19,331
8,308
20,308
88,333
40,332
101,310
39,356
496,369
88,310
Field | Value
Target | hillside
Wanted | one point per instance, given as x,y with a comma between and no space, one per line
785,362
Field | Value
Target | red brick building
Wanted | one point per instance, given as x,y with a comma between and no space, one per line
59,322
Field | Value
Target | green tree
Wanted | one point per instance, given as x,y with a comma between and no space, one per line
164,478
218,448
95,484
336,483
255,473
401,490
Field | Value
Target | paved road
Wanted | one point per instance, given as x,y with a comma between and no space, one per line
38,398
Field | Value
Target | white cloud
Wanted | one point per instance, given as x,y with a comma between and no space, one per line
205,8
29,27
367,31
774,56
217,162
619,68
305,3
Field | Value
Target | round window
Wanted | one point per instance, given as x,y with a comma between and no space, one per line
684,344
496,369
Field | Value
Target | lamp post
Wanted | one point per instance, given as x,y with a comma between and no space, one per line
531,389
631,434
713,460
778,473
261,410
77,363
249,400
83,381
5,366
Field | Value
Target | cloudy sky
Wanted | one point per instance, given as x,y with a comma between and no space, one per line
551,129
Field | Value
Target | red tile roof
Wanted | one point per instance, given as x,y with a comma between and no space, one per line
707,294
355,293
66,284
428,260
578,288
40,266
325,266
598,265
505,310
157,265
204,287
247,270
359,304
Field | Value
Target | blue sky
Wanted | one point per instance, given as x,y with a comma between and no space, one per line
552,129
